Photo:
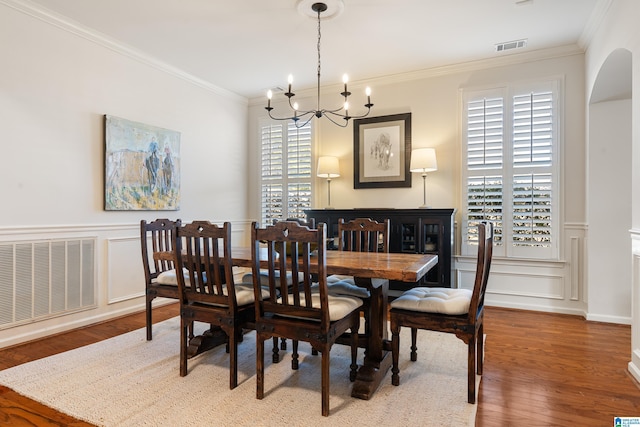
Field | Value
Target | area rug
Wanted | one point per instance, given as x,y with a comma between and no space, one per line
128,381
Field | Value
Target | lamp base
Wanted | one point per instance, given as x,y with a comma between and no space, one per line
329,207
424,207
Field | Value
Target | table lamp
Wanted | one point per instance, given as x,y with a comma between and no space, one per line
328,167
423,160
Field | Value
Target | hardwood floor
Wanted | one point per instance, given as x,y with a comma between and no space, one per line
540,370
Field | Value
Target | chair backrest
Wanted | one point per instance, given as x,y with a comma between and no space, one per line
311,222
289,237
203,250
485,253
363,235
156,240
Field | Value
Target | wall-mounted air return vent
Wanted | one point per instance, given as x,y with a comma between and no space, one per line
515,44
43,279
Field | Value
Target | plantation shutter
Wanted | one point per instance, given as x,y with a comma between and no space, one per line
532,154
485,153
285,171
512,176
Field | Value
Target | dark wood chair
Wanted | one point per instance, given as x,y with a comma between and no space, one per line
264,279
304,311
361,235
207,289
456,311
156,240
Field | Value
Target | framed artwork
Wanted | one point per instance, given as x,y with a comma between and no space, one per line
142,166
382,151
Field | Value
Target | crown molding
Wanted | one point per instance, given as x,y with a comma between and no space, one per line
29,8
464,67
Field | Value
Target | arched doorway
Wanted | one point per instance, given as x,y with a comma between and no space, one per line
609,191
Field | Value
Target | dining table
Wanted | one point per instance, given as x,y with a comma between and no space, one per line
406,267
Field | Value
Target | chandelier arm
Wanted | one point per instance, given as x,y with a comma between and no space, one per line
294,118
342,125
350,117
298,125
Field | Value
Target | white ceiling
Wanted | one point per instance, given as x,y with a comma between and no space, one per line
249,46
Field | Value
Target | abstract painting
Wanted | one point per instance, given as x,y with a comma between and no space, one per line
142,166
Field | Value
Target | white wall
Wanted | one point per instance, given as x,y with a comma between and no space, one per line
433,98
56,84
619,31
609,210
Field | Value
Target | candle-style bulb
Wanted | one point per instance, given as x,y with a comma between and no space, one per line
269,94
345,79
367,91
295,106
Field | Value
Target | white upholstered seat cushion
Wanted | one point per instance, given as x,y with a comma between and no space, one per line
169,277
244,294
339,305
434,300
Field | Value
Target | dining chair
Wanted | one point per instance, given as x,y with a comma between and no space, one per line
456,311
156,241
360,235
264,279
303,311
207,289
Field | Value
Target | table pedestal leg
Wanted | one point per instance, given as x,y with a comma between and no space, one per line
377,361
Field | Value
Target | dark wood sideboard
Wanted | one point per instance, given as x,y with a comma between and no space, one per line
412,231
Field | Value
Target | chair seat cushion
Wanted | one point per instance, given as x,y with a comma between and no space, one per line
338,277
434,300
169,277
264,278
339,305
345,287
244,294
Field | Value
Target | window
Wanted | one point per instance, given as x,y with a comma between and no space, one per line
285,182
510,169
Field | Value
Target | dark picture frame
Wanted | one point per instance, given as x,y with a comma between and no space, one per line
382,151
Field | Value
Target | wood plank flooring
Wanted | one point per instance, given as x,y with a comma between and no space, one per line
540,370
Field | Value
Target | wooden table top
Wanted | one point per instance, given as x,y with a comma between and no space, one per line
392,266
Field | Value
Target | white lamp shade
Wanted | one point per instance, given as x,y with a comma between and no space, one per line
328,167
423,160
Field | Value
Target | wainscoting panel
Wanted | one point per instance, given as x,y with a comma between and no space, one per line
124,269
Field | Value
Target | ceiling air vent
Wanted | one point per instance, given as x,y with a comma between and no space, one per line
515,44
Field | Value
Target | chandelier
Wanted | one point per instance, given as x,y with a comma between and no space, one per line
336,115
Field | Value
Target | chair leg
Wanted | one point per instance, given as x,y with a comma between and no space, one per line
354,350
325,380
259,366
471,371
275,356
414,348
294,356
480,349
283,344
233,358
395,351
149,322
183,347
